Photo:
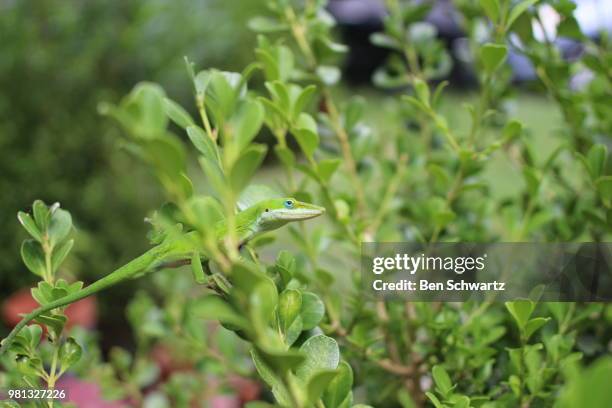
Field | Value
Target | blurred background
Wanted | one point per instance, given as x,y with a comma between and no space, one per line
60,58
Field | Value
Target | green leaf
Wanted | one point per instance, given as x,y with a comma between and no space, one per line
30,225
604,187
222,94
177,114
203,143
596,158
213,307
41,214
590,387
521,310
434,400
245,166
42,294
517,10
167,155
60,253
289,304
306,134
312,310
255,193
570,28
491,9
285,155
493,56
59,225
196,268
33,257
422,90
303,99
207,211
317,384
214,174
261,361
533,325
340,387
142,111
321,352
55,323
327,168
385,41
246,122
262,24
69,354
329,75
442,380
512,130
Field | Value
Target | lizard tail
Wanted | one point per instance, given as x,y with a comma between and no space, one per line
127,271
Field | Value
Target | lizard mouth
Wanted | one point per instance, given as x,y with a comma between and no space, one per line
302,213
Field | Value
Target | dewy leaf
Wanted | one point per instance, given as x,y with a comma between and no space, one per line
517,10
177,114
312,310
493,56
521,311
322,353
33,257
59,225
30,225
340,387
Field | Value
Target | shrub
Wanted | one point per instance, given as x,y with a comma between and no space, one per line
314,338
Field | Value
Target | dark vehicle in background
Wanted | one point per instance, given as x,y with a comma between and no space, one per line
358,19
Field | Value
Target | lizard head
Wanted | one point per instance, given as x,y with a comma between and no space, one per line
279,211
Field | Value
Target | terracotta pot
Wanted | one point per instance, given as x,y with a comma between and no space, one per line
86,394
83,313
247,389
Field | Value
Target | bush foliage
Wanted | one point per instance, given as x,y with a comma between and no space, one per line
300,322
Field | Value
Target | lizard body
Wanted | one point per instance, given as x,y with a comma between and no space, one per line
266,215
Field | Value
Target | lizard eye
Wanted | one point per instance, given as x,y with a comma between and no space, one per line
289,204
267,209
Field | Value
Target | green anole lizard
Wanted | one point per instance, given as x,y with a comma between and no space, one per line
266,215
